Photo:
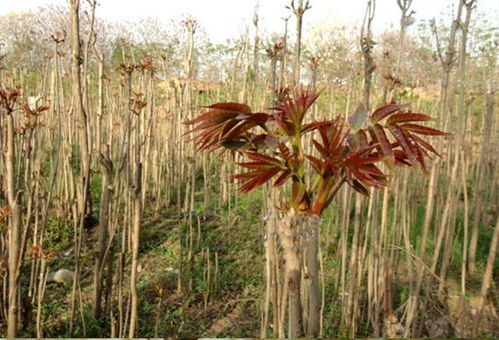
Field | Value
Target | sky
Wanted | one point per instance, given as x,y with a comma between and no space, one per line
223,19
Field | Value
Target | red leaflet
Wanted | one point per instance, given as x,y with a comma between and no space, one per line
314,126
424,144
316,163
384,147
333,138
401,158
227,124
357,186
403,129
408,117
420,153
360,165
384,111
230,107
293,110
255,178
332,148
28,112
401,137
282,178
423,130
285,126
8,99
263,168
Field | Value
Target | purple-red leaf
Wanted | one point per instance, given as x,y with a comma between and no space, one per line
384,111
314,126
258,180
230,107
357,186
423,130
384,147
408,117
399,135
425,144
282,178
291,111
227,125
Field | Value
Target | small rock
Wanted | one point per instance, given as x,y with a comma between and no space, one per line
171,270
61,276
439,328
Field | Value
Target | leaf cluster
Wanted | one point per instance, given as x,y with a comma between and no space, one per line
344,151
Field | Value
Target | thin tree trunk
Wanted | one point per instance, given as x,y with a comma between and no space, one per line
14,231
256,46
83,144
284,60
137,221
367,44
102,236
311,248
487,276
480,182
288,228
298,11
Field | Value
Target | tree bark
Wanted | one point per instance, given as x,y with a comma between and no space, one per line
137,221
288,231
102,237
14,231
298,11
296,233
480,182
284,55
366,45
311,248
487,276
83,144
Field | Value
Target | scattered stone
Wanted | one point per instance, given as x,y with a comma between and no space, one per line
61,276
439,328
171,270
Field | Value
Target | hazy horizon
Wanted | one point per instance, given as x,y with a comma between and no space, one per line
224,19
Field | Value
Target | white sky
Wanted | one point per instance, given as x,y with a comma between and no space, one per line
222,19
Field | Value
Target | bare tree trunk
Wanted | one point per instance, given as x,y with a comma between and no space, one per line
487,276
311,248
14,231
102,236
367,44
405,21
244,91
256,46
298,11
289,229
137,221
271,298
284,61
480,181
83,143
102,231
